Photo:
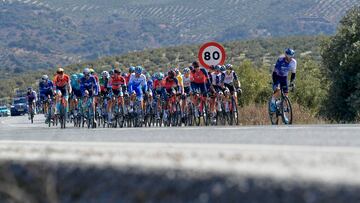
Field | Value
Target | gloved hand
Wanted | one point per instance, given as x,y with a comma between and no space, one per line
292,86
239,91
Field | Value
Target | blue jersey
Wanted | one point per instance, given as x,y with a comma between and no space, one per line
137,82
282,68
45,86
150,84
75,84
89,84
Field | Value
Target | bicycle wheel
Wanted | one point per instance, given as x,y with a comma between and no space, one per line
206,114
235,112
274,118
286,111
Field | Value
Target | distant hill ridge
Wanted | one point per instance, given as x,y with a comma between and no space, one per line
38,34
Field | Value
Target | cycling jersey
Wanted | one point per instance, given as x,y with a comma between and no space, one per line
150,84
216,78
45,87
104,84
31,96
229,78
186,81
199,76
117,81
61,80
282,67
157,84
168,84
75,84
127,78
89,84
137,84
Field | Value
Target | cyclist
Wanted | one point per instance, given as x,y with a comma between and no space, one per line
170,84
62,83
46,87
216,82
118,87
285,64
88,82
76,92
187,89
131,71
231,81
199,80
137,83
179,78
31,98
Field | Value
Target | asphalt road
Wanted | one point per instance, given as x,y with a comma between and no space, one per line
324,155
19,128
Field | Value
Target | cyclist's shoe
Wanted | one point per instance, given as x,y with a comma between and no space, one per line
286,120
273,106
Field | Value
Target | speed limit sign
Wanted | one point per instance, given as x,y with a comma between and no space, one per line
211,53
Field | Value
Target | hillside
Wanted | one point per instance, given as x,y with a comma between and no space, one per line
262,53
40,34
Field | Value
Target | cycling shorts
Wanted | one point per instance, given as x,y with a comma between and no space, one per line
281,82
199,87
230,87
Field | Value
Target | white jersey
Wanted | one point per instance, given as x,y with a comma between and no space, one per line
186,81
136,81
215,78
229,78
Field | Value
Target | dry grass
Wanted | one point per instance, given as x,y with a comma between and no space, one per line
257,114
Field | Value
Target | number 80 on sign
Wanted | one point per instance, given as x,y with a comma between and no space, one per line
211,53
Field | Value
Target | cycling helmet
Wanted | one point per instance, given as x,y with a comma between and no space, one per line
217,68
154,76
80,75
117,70
105,74
92,71
86,71
187,70
60,70
290,52
45,77
176,71
171,74
222,68
195,64
111,72
29,88
124,74
148,76
228,66
74,76
131,69
138,69
160,76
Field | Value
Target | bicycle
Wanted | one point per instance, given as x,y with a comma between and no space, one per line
201,109
283,109
88,113
62,113
31,112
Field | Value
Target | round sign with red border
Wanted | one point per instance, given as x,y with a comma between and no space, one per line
211,53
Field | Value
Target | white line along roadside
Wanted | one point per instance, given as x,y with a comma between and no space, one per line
332,165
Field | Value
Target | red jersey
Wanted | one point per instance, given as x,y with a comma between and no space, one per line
127,78
157,84
199,76
61,80
117,81
167,83
96,78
